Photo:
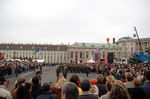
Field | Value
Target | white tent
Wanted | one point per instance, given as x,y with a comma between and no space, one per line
17,60
90,61
39,60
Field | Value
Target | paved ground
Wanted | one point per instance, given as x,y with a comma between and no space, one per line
48,75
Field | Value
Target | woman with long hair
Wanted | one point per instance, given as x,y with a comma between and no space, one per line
119,91
19,82
24,91
75,79
60,82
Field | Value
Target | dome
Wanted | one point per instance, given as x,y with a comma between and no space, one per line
125,38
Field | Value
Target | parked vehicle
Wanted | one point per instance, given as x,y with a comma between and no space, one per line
121,61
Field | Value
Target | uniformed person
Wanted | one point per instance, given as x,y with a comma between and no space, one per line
41,68
58,70
65,71
87,71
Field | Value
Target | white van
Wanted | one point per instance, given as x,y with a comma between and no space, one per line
121,61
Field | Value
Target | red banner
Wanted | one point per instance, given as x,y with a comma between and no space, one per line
1,56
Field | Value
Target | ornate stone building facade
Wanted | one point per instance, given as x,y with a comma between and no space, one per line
75,53
128,45
83,52
50,53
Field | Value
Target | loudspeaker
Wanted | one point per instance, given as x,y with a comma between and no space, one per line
110,57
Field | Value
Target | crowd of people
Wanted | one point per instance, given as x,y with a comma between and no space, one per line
11,68
73,68
105,69
113,81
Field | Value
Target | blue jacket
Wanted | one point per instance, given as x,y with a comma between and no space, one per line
47,95
146,88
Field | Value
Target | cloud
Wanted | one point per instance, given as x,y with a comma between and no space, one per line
56,21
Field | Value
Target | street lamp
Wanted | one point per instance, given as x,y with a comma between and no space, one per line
107,39
107,50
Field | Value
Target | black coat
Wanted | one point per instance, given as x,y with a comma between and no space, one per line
88,96
47,95
36,91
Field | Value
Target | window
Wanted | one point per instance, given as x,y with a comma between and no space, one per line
131,49
32,47
80,61
6,55
87,54
80,54
83,45
20,47
103,54
71,54
76,56
92,45
103,46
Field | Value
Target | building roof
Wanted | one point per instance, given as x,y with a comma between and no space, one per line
125,38
33,47
93,45
129,39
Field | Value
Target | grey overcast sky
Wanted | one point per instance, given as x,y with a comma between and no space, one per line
56,21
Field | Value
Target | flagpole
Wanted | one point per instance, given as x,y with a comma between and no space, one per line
141,49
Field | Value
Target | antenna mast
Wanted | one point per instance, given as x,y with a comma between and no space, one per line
141,49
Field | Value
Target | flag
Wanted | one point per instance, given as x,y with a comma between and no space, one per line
58,48
36,51
97,50
41,53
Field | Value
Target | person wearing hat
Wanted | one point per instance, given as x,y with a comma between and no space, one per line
94,89
3,92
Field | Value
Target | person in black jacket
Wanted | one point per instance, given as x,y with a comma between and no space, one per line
146,85
86,94
36,88
46,93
